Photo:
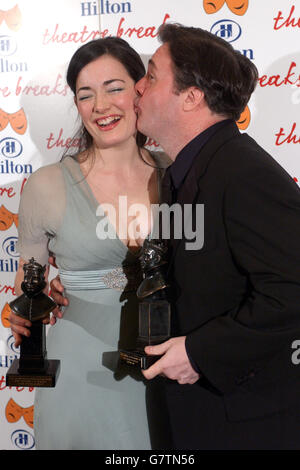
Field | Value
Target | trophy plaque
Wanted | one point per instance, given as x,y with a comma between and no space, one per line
33,369
154,308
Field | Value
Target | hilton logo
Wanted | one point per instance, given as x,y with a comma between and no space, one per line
22,439
103,7
9,265
6,66
8,46
227,29
6,361
11,345
230,31
12,148
9,246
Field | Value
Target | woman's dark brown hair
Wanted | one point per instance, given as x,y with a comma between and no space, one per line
116,48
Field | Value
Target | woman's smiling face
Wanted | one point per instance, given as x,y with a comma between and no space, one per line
105,101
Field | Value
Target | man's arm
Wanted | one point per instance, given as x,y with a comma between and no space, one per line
261,213
262,217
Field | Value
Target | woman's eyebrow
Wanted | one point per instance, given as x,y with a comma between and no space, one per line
107,82
83,88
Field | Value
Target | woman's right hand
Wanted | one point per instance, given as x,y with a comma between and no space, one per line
18,327
57,290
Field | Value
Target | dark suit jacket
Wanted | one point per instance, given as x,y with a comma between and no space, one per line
238,297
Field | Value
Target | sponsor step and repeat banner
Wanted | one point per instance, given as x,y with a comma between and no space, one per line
38,117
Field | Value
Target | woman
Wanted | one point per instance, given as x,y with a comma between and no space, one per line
73,208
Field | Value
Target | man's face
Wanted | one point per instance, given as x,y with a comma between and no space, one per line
157,105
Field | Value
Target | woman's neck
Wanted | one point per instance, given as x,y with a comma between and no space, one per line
123,158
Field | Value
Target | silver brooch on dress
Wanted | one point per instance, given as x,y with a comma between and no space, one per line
125,278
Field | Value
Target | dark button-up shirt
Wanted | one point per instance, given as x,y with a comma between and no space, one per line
184,160
181,166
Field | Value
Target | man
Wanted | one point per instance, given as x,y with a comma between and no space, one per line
230,382
237,299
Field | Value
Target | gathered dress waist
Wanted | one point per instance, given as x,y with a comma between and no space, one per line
121,278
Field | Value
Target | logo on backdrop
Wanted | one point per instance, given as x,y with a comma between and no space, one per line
244,119
227,29
6,360
17,120
230,31
22,439
238,7
12,148
7,218
11,345
14,412
9,244
10,264
12,18
104,7
5,316
8,45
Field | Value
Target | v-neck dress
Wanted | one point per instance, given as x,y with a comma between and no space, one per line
98,402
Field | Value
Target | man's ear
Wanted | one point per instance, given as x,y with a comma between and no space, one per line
193,97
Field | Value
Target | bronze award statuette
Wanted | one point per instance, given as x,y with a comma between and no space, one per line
33,369
154,308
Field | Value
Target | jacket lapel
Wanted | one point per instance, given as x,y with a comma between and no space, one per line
190,190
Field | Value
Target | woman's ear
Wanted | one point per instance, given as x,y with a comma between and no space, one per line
192,99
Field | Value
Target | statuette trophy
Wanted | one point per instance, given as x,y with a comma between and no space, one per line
33,369
154,308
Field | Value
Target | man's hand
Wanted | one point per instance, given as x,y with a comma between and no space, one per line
57,290
174,364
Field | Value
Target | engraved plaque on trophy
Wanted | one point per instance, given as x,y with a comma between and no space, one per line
33,369
154,308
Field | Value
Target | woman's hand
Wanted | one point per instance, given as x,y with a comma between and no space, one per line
57,291
19,326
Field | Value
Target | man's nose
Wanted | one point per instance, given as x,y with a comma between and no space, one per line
140,86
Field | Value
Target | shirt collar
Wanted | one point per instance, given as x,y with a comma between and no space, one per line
185,158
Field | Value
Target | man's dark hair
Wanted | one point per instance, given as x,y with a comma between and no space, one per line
226,77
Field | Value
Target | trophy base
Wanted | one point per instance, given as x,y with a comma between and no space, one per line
138,358
47,378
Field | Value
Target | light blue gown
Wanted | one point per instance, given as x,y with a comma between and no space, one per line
97,403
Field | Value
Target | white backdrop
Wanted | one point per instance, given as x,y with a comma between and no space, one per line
37,115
